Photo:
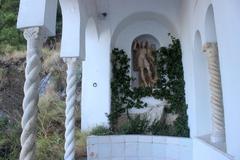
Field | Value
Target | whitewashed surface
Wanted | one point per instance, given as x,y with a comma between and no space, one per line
136,147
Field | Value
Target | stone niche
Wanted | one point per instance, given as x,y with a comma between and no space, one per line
144,73
143,61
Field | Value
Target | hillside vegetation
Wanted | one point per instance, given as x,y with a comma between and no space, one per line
10,38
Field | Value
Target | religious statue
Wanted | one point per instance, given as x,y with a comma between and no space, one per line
144,63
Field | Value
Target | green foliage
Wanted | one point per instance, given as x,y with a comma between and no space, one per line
50,147
161,128
170,86
50,133
81,143
137,125
10,38
9,139
122,96
51,115
51,129
2,73
100,130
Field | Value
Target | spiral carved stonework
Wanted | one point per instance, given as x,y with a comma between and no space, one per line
218,133
70,108
35,38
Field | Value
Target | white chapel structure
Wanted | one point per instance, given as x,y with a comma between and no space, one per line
209,32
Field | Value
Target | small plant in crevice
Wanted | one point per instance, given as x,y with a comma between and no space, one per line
170,86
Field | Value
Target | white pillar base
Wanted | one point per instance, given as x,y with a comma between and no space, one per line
218,137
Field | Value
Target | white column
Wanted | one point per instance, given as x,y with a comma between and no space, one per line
70,108
35,38
218,126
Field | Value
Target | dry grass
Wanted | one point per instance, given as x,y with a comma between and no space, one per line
51,118
14,56
52,61
51,129
51,115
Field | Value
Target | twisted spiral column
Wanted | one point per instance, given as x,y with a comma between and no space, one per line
218,130
70,103
35,38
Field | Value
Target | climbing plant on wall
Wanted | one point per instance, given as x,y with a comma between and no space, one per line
170,86
122,96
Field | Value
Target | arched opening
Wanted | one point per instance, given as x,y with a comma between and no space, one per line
202,93
218,124
70,29
142,23
151,44
210,29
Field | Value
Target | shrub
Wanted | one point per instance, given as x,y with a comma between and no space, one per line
50,147
10,38
100,131
50,142
81,144
170,86
160,128
9,139
137,125
51,115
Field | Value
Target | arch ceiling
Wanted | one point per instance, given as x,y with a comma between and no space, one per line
210,29
143,16
75,17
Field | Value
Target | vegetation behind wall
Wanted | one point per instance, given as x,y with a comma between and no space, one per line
11,38
51,117
170,86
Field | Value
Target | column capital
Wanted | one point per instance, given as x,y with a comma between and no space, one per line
70,60
35,33
210,49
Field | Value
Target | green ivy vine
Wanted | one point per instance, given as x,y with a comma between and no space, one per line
170,86
122,97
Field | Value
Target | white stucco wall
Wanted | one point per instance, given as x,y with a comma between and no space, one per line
202,90
121,9
228,37
129,19
227,31
202,150
125,38
121,28
95,102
